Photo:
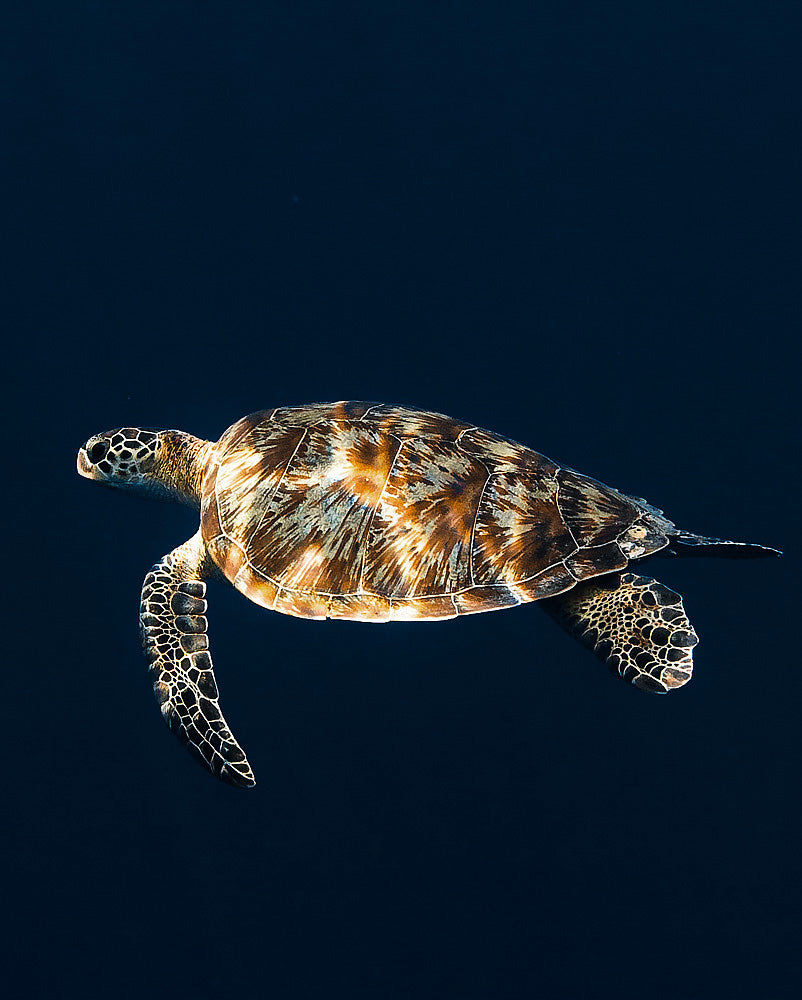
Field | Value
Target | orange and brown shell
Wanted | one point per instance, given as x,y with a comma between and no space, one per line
378,513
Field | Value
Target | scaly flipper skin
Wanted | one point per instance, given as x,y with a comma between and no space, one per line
635,624
173,624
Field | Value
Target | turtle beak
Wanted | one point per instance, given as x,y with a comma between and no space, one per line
85,467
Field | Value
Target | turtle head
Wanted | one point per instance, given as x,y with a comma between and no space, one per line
164,465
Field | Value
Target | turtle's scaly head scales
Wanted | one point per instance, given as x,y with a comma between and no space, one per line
166,464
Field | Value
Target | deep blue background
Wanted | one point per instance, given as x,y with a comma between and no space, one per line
575,225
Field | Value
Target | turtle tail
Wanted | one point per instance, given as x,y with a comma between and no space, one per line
686,544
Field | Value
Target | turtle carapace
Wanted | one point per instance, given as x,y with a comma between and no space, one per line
385,513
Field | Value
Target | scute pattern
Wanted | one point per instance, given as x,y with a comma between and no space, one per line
249,478
374,512
314,529
519,530
594,513
420,538
503,455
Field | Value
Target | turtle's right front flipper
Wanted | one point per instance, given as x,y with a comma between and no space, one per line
173,626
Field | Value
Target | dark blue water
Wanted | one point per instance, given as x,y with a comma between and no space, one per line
577,226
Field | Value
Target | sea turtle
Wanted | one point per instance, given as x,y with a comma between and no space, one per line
384,513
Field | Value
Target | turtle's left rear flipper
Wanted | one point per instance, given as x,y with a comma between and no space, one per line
687,544
173,626
635,624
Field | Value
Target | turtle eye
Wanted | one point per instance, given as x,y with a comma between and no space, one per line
98,451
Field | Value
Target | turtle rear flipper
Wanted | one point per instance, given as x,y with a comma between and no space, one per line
687,544
173,625
636,625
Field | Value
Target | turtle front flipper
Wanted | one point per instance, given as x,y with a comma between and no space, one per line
635,624
173,626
